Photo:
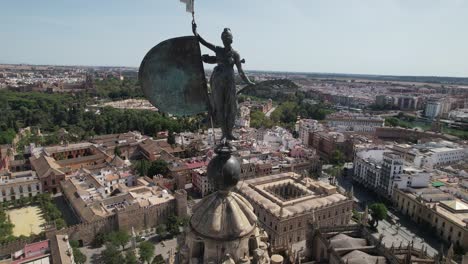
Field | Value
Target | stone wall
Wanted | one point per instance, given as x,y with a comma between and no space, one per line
85,233
145,217
139,219
181,203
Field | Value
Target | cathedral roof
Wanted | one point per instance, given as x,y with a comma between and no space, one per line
345,241
359,257
223,216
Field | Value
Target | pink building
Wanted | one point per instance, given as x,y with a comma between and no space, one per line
32,252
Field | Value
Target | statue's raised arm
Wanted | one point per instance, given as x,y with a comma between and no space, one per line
200,39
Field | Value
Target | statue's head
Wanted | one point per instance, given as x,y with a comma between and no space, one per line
226,37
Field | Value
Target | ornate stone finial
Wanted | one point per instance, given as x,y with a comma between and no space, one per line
258,256
171,259
292,257
351,193
365,216
244,260
409,254
133,239
312,218
449,257
316,222
441,252
184,255
419,198
228,260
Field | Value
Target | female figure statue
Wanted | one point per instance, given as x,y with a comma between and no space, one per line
222,83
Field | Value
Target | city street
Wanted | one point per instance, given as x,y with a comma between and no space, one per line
404,231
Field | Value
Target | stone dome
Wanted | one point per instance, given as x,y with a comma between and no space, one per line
223,216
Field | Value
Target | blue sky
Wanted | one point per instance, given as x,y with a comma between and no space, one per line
400,37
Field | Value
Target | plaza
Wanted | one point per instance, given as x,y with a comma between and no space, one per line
27,220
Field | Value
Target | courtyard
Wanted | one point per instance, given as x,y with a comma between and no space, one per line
27,220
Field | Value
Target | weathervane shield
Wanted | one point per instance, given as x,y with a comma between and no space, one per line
173,79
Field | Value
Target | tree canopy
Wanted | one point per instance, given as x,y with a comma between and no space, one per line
158,166
378,212
50,112
146,251
111,255
6,227
337,157
259,120
119,238
130,257
171,138
286,114
78,256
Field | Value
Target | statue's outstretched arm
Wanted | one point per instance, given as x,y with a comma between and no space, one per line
241,71
202,41
209,59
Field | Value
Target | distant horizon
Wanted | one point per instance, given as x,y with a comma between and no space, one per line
250,70
387,37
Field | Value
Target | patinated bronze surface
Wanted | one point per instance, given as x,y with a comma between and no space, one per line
173,78
222,83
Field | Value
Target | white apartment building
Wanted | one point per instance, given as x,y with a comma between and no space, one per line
431,154
411,177
433,109
382,171
445,155
368,167
460,115
392,165
18,185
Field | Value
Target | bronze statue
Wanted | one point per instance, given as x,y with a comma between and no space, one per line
222,82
